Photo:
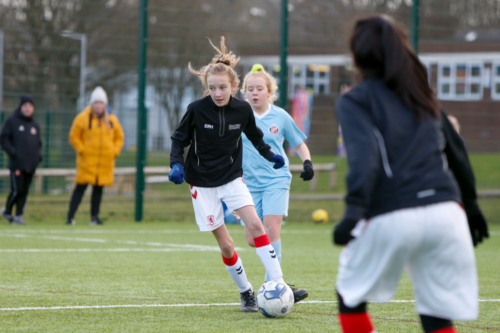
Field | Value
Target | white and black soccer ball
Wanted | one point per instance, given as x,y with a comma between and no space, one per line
275,299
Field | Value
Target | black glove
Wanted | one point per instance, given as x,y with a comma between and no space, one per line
477,223
342,232
308,172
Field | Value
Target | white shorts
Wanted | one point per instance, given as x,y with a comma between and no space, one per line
434,244
207,203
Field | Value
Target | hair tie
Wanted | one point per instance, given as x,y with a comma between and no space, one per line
258,68
222,62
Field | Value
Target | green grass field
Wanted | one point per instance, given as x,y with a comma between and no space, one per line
162,277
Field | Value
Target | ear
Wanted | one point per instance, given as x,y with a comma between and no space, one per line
234,85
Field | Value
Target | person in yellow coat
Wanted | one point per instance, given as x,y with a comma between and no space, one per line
97,137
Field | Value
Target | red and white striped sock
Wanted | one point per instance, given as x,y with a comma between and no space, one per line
269,258
235,269
356,323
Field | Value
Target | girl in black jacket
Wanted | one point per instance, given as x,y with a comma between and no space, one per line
403,206
213,126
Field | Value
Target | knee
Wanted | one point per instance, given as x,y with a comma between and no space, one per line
227,247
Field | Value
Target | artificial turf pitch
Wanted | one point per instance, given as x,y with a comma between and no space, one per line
168,277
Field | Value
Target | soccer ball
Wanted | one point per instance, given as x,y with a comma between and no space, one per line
320,216
275,299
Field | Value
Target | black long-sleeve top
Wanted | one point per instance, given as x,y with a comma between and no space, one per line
214,133
395,160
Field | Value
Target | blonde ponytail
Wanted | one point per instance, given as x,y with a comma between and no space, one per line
222,63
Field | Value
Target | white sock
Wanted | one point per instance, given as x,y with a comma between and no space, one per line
238,274
277,248
269,258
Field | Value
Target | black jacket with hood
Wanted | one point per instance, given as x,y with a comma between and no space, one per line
214,133
20,138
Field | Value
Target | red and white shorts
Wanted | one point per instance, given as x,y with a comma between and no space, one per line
432,242
207,202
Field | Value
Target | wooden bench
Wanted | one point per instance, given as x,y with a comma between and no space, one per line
328,167
125,176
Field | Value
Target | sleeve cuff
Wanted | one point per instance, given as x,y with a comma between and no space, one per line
269,155
354,212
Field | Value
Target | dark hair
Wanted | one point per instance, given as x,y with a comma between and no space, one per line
380,49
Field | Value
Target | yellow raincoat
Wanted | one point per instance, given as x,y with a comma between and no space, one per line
96,147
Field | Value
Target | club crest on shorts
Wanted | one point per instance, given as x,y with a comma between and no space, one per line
210,220
274,129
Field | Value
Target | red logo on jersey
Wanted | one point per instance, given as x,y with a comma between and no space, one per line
210,220
193,194
274,129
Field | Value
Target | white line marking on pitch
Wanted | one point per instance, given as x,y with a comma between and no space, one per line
178,305
164,231
96,250
129,242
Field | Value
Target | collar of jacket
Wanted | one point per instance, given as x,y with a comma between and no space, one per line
211,103
88,110
19,114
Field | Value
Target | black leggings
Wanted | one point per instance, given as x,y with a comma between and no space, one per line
19,187
77,196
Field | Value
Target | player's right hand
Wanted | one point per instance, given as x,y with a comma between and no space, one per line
342,232
177,174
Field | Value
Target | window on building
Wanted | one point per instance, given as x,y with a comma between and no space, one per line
313,77
495,82
460,81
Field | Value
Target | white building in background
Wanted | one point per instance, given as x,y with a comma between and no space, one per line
125,108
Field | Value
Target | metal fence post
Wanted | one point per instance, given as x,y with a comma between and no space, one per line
141,111
46,151
415,24
283,88
2,154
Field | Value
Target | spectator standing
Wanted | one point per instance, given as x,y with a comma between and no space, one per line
97,137
20,138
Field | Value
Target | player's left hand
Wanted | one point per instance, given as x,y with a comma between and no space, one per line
477,223
342,232
308,172
278,161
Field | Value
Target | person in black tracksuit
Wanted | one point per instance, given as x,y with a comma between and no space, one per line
20,138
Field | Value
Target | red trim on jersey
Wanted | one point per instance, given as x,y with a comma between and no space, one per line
261,241
446,330
230,261
356,323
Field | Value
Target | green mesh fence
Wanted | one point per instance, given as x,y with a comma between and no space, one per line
459,45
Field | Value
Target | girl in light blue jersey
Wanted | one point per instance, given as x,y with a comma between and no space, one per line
269,187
